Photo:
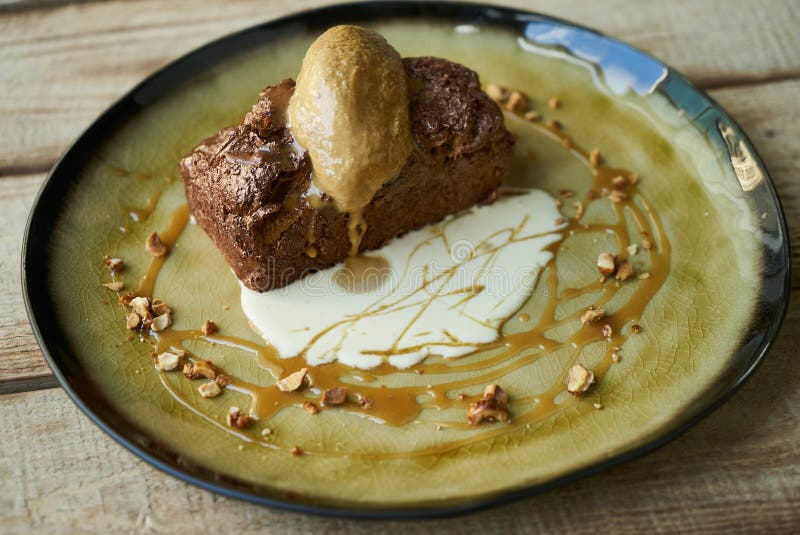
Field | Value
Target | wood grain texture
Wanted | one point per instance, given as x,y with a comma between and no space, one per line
61,67
62,63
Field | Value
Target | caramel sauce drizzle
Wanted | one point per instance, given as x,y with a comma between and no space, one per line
398,406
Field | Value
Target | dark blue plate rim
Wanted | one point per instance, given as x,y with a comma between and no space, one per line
707,114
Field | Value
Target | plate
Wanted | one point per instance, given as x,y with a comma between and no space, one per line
705,330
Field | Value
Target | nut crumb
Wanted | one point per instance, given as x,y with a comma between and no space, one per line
497,92
132,320
223,380
554,103
167,361
636,328
162,322
154,245
238,419
517,102
607,331
209,390
580,380
209,328
595,158
592,314
578,205
266,432
363,401
555,125
492,407
615,358
439,427
141,305
334,396
620,182
643,276
114,264
159,307
462,396
606,264
533,116
296,450
198,369
114,286
291,382
632,249
624,271
616,196
311,407
598,406
125,300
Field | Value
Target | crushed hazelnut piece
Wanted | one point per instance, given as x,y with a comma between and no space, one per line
179,352
533,116
607,331
199,368
554,103
580,380
167,361
615,358
334,396
462,396
492,407
632,249
620,182
363,401
555,125
141,305
598,406
643,276
606,263
132,320
238,419
517,102
209,328
266,432
209,390
595,158
223,380
578,205
559,204
114,264
162,322
125,300
592,314
310,407
296,450
616,196
646,244
624,271
114,286
291,382
154,245
497,92
636,328
159,307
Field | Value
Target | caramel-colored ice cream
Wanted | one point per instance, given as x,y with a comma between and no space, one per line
350,112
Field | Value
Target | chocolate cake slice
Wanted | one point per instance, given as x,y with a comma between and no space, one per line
249,187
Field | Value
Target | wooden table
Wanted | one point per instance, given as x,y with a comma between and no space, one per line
63,62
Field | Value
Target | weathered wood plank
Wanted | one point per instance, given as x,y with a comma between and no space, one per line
736,471
770,113
62,66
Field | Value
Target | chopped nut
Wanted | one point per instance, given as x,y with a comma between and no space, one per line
266,432
643,276
114,264
334,396
223,380
555,125
646,244
167,361
620,182
636,328
238,419
578,205
114,286
606,263
624,271
616,196
533,116
209,390
311,407
632,249
462,396
592,314
497,92
159,307
595,158
363,401
296,450
291,382
492,407
554,103
209,328
154,245
580,380
517,102
132,320
141,305
199,368
125,300
598,406
615,358
607,331
162,322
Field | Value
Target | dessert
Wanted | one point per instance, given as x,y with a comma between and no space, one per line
250,186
